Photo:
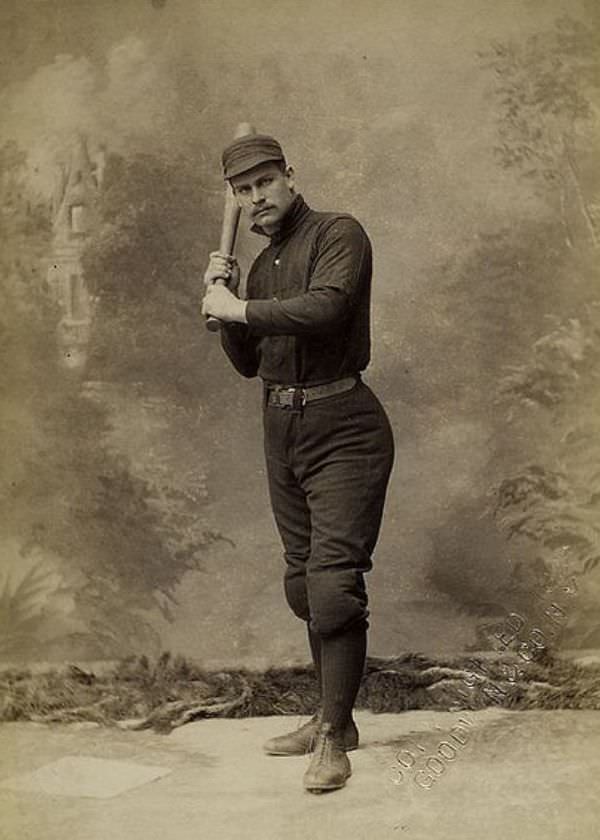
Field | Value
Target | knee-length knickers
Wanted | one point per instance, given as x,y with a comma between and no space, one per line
328,467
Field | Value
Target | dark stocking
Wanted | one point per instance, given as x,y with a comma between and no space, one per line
342,665
315,648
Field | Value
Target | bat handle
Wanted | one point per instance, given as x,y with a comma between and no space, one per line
230,222
213,324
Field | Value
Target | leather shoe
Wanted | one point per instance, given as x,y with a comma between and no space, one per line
329,767
303,740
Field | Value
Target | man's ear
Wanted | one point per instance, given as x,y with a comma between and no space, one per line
290,177
236,195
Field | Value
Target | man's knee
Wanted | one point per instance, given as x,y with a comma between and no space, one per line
336,600
296,595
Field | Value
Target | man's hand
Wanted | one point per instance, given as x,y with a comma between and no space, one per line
222,269
222,304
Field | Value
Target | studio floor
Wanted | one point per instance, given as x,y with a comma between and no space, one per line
492,774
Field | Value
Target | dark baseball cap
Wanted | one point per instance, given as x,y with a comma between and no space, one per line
249,151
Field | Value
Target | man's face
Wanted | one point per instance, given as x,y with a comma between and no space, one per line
265,193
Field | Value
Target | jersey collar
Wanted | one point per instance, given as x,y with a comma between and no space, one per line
296,213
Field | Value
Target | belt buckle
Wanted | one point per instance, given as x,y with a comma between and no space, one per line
283,397
302,393
292,399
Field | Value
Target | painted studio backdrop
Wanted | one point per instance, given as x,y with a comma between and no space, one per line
133,506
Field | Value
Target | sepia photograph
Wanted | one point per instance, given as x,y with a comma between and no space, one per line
299,419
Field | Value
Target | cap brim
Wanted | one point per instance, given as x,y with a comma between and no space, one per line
239,167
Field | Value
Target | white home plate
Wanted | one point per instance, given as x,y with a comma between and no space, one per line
76,775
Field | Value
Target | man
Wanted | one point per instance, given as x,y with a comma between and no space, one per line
304,330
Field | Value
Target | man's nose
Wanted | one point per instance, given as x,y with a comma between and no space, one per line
257,195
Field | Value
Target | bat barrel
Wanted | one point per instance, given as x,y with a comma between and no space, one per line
231,218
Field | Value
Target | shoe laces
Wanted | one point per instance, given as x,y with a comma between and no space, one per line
324,744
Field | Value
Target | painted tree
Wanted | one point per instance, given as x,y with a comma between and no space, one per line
547,90
547,117
115,541
146,265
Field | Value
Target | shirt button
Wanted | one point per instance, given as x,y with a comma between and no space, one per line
277,261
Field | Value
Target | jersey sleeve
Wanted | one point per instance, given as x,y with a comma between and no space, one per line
241,347
343,250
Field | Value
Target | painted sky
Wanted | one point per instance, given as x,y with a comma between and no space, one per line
342,84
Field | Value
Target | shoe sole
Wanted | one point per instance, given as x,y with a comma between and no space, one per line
308,752
326,788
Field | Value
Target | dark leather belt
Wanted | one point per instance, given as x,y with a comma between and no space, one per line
298,396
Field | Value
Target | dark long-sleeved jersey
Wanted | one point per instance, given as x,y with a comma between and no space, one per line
308,307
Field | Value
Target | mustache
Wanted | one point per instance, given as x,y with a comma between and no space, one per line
261,209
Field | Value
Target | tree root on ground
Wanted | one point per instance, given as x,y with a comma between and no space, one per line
179,712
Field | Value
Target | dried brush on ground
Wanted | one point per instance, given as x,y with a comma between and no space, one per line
138,694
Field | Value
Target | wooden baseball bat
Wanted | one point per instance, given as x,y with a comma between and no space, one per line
231,219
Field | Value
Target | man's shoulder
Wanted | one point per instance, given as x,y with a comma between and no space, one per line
337,223
328,216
